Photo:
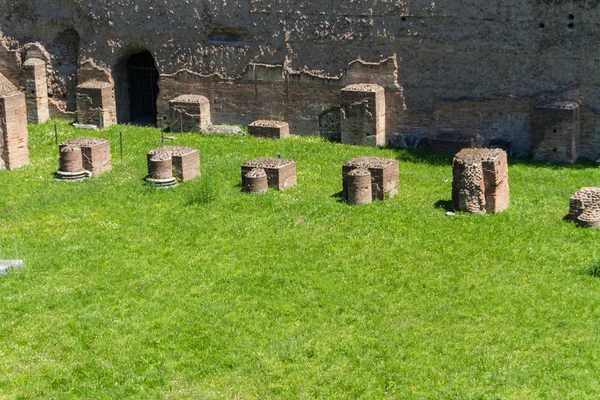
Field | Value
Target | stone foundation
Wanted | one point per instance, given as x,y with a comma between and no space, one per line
96,104
13,131
555,131
255,181
452,143
34,83
584,207
480,181
82,157
166,160
363,115
269,129
189,113
384,176
281,172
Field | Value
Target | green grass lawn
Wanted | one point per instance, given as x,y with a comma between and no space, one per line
205,292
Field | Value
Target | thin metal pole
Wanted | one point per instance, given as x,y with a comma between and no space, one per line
56,133
121,143
99,118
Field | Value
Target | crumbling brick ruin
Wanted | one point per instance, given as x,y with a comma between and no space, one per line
555,131
14,150
269,129
452,143
584,207
363,115
480,181
358,187
445,67
281,172
255,181
189,113
96,104
384,175
83,157
166,161
35,87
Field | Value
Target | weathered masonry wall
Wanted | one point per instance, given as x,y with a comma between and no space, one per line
446,66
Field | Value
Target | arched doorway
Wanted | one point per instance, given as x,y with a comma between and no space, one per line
142,83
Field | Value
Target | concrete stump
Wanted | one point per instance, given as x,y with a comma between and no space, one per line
255,181
384,175
555,131
480,181
584,207
269,129
358,186
363,115
281,172
189,113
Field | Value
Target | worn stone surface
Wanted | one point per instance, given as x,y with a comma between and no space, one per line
189,113
183,161
14,137
269,129
584,207
384,175
480,181
281,172
452,143
470,67
7,266
223,130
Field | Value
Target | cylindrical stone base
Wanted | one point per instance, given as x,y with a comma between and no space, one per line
256,181
358,186
160,167
70,159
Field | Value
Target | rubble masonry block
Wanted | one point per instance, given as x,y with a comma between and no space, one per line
281,172
189,113
384,175
480,181
555,131
34,82
183,161
269,129
96,104
363,115
584,207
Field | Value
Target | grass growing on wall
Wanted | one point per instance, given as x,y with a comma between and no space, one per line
205,292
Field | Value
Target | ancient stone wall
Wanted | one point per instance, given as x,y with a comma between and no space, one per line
460,66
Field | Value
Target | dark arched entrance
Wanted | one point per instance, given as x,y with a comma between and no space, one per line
142,84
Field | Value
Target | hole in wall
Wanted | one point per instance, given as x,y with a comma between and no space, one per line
554,131
542,25
403,19
570,26
571,17
554,150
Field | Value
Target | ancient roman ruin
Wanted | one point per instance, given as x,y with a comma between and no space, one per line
167,164
445,73
280,172
480,181
383,176
269,129
584,207
83,157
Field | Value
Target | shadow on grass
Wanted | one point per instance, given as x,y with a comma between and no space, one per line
426,156
339,196
445,205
